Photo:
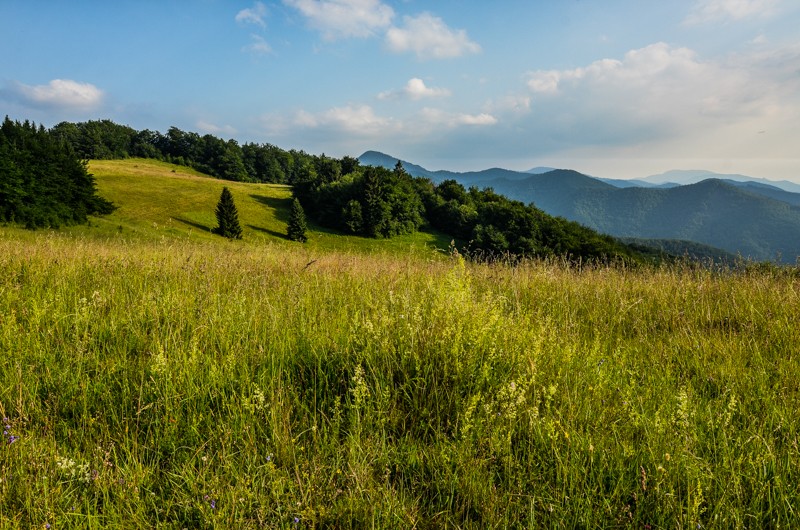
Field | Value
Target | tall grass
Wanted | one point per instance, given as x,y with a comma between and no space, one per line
202,385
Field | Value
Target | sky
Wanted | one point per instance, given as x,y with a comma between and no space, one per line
611,88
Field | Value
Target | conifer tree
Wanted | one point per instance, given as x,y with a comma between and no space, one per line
297,223
227,217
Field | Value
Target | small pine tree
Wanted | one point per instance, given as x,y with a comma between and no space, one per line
297,223
227,217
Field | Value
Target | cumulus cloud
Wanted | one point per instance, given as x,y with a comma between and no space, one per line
415,89
353,119
254,15
429,38
257,46
344,18
713,10
59,94
664,95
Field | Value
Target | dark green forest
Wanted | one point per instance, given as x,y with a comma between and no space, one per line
43,183
338,194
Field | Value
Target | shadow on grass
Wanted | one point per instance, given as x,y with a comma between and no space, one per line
268,231
192,224
281,206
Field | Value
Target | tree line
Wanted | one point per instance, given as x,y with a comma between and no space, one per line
224,159
43,183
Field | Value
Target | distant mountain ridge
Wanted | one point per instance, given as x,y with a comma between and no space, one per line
693,176
754,218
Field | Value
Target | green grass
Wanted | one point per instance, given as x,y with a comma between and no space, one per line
169,380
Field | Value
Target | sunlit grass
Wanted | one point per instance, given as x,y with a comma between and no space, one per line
188,382
157,201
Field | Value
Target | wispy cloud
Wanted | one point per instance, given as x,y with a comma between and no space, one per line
429,38
211,128
415,89
253,15
257,46
63,94
725,10
448,119
344,18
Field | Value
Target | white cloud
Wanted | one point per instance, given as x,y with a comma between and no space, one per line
59,93
353,119
429,37
254,15
712,10
344,18
257,46
415,89
438,117
514,104
663,101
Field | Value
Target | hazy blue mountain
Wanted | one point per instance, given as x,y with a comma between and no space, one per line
632,183
693,176
469,178
378,159
755,218
712,212
538,170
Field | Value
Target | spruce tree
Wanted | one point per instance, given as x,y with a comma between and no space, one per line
227,217
297,223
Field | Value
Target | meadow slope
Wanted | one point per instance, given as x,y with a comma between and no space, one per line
153,377
159,200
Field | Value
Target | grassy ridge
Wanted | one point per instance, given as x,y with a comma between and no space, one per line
185,383
159,200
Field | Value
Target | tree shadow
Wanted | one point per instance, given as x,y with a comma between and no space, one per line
192,224
281,206
268,231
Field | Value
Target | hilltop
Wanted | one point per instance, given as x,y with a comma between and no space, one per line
161,200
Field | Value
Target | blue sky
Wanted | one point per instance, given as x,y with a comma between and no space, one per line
613,88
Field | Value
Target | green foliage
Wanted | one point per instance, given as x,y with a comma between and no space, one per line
227,216
42,182
105,140
182,385
296,229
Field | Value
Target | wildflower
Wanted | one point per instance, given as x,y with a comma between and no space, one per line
296,520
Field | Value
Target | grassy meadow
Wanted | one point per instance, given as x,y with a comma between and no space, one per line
161,377
163,201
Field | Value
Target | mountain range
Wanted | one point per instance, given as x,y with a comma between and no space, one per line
754,218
